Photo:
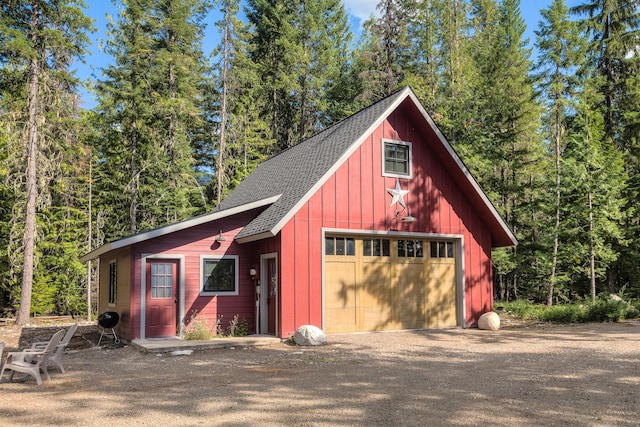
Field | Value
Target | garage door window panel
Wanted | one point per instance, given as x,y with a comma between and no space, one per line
410,249
376,247
442,250
343,246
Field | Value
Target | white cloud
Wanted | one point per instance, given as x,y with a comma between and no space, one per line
361,9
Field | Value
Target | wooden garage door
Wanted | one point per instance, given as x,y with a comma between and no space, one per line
381,284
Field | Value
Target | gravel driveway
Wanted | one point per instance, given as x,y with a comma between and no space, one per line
542,375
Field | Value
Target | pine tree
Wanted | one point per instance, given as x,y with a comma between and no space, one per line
149,109
508,142
613,29
40,39
561,50
593,195
386,51
297,47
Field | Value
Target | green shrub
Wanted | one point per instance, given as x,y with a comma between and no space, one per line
238,328
632,313
563,314
606,310
197,329
523,309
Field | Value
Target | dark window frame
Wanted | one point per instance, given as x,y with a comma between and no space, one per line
208,285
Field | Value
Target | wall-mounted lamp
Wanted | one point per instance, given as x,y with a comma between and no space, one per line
220,237
409,217
252,273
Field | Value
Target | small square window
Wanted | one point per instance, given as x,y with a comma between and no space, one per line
219,275
396,159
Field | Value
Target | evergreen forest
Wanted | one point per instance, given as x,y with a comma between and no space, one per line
552,134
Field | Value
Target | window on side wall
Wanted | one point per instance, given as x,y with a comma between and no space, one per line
396,159
113,282
219,276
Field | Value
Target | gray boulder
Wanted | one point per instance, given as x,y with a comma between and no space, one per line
309,335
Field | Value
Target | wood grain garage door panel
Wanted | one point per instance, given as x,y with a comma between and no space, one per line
407,295
375,295
367,293
340,296
440,294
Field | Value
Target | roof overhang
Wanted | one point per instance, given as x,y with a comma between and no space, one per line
178,226
501,233
508,238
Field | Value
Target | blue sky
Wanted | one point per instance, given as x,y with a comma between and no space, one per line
358,10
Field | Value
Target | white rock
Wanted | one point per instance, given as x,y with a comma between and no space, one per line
489,321
309,335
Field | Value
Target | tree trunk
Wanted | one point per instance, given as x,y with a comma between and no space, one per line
223,108
554,263
592,252
32,155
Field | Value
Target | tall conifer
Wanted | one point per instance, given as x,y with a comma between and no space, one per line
40,40
149,110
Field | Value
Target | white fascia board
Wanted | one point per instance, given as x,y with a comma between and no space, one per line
255,237
464,169
178,226
345,156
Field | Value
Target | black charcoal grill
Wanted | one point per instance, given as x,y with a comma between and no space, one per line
108,320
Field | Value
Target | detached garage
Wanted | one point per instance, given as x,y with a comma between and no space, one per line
372,224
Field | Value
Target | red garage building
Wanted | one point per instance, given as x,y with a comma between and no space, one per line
371,224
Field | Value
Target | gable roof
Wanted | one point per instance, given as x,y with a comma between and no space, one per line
296,173
178,226
287,181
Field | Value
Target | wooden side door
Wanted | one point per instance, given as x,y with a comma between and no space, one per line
161,297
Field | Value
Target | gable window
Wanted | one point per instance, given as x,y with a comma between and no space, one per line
396,158
339,246
113,282
442,250
219,276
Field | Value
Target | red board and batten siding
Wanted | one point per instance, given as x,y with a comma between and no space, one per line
355,198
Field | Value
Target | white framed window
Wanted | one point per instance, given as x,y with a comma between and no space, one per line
219,275
396,159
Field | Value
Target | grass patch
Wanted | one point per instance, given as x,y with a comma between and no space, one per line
604,309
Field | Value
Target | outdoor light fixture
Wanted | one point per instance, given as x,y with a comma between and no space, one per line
220,237
409,217
252,273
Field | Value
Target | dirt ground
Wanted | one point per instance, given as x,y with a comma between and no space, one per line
542,375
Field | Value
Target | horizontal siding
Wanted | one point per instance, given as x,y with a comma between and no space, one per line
192,243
